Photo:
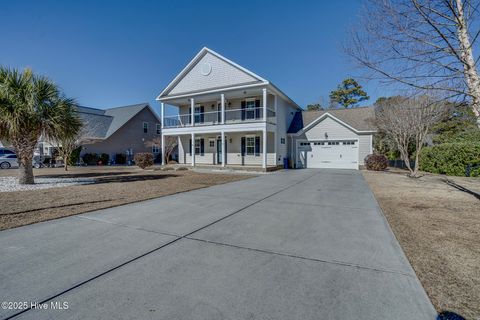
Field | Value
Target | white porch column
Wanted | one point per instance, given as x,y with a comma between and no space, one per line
264,104
224,156
193,149
163,144
222,97
161,113
192,112
264,145
275,146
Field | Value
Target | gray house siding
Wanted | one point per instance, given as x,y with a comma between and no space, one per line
129,136
222,74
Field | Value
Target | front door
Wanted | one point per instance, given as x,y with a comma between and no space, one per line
219,149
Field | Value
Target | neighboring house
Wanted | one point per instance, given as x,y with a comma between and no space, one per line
120,130
228,115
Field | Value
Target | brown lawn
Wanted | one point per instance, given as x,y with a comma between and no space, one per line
438,227
114,186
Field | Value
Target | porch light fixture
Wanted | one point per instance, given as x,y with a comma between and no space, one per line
230,140
326,135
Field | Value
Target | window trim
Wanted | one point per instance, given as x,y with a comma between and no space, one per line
252,137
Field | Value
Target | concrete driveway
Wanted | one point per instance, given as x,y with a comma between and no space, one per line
298,244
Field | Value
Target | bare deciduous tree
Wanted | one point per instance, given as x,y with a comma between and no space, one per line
408,120
170,144
66,143
424,44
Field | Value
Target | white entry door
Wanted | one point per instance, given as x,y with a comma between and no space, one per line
338,154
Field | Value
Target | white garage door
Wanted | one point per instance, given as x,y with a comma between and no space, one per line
338,154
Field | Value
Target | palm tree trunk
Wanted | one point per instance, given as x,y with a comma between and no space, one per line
25,170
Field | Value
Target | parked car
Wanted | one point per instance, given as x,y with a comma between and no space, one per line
8,161
5,151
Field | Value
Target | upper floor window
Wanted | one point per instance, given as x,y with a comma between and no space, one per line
282,140
155,149
199,114
145,127
159,128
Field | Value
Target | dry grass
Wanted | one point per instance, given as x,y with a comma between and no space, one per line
115,186
438,227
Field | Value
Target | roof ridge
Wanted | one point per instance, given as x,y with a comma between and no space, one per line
128,106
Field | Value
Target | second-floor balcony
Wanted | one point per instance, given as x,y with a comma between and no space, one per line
231,116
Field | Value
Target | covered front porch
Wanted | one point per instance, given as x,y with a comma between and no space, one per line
248,149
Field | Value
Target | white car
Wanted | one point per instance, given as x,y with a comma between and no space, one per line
8,161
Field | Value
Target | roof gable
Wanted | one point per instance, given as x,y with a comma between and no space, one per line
356,119
209,70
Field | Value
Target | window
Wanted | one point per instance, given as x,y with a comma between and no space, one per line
145,127
349,143
158,128
250,109
304,143
211,143
250,145
197,146
333,143
282,140
155,149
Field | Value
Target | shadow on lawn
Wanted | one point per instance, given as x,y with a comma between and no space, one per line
448,315
133,178
84,175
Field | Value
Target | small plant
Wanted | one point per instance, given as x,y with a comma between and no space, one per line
120,158
144,160
104,158
90,158
376,162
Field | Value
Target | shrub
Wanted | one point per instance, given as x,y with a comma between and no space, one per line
450,158
104,158
376,162
172,162
74,157
120,158
144,160
90,158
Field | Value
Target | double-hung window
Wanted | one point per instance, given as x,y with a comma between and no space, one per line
250,146
197,146
250,109
158,128
145,127
155,149
199,114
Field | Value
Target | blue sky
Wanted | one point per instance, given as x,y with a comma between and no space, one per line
111,53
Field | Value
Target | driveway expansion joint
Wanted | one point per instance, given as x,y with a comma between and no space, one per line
335,262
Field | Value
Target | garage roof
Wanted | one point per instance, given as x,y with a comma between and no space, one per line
359,118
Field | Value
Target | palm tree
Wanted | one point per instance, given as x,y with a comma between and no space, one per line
32,106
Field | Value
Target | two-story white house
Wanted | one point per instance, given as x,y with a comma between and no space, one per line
230,116
227,115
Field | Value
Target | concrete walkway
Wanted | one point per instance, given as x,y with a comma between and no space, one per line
298,244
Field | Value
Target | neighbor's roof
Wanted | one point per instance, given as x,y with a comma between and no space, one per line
102,123
358,118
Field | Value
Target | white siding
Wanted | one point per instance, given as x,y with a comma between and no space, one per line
234,152
222,74
336,131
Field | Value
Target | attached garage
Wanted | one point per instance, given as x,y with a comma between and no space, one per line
325,140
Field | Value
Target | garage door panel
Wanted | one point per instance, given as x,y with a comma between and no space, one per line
341,154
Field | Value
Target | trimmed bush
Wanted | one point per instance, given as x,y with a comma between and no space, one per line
376,162
74,157
450,158
144,160
90,158
104,158
120,158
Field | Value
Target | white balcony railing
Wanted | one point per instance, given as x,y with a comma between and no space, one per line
215,117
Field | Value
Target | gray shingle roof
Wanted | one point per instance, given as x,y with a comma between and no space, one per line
101,124
359,118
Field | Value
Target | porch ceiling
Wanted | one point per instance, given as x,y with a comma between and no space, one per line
234,94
